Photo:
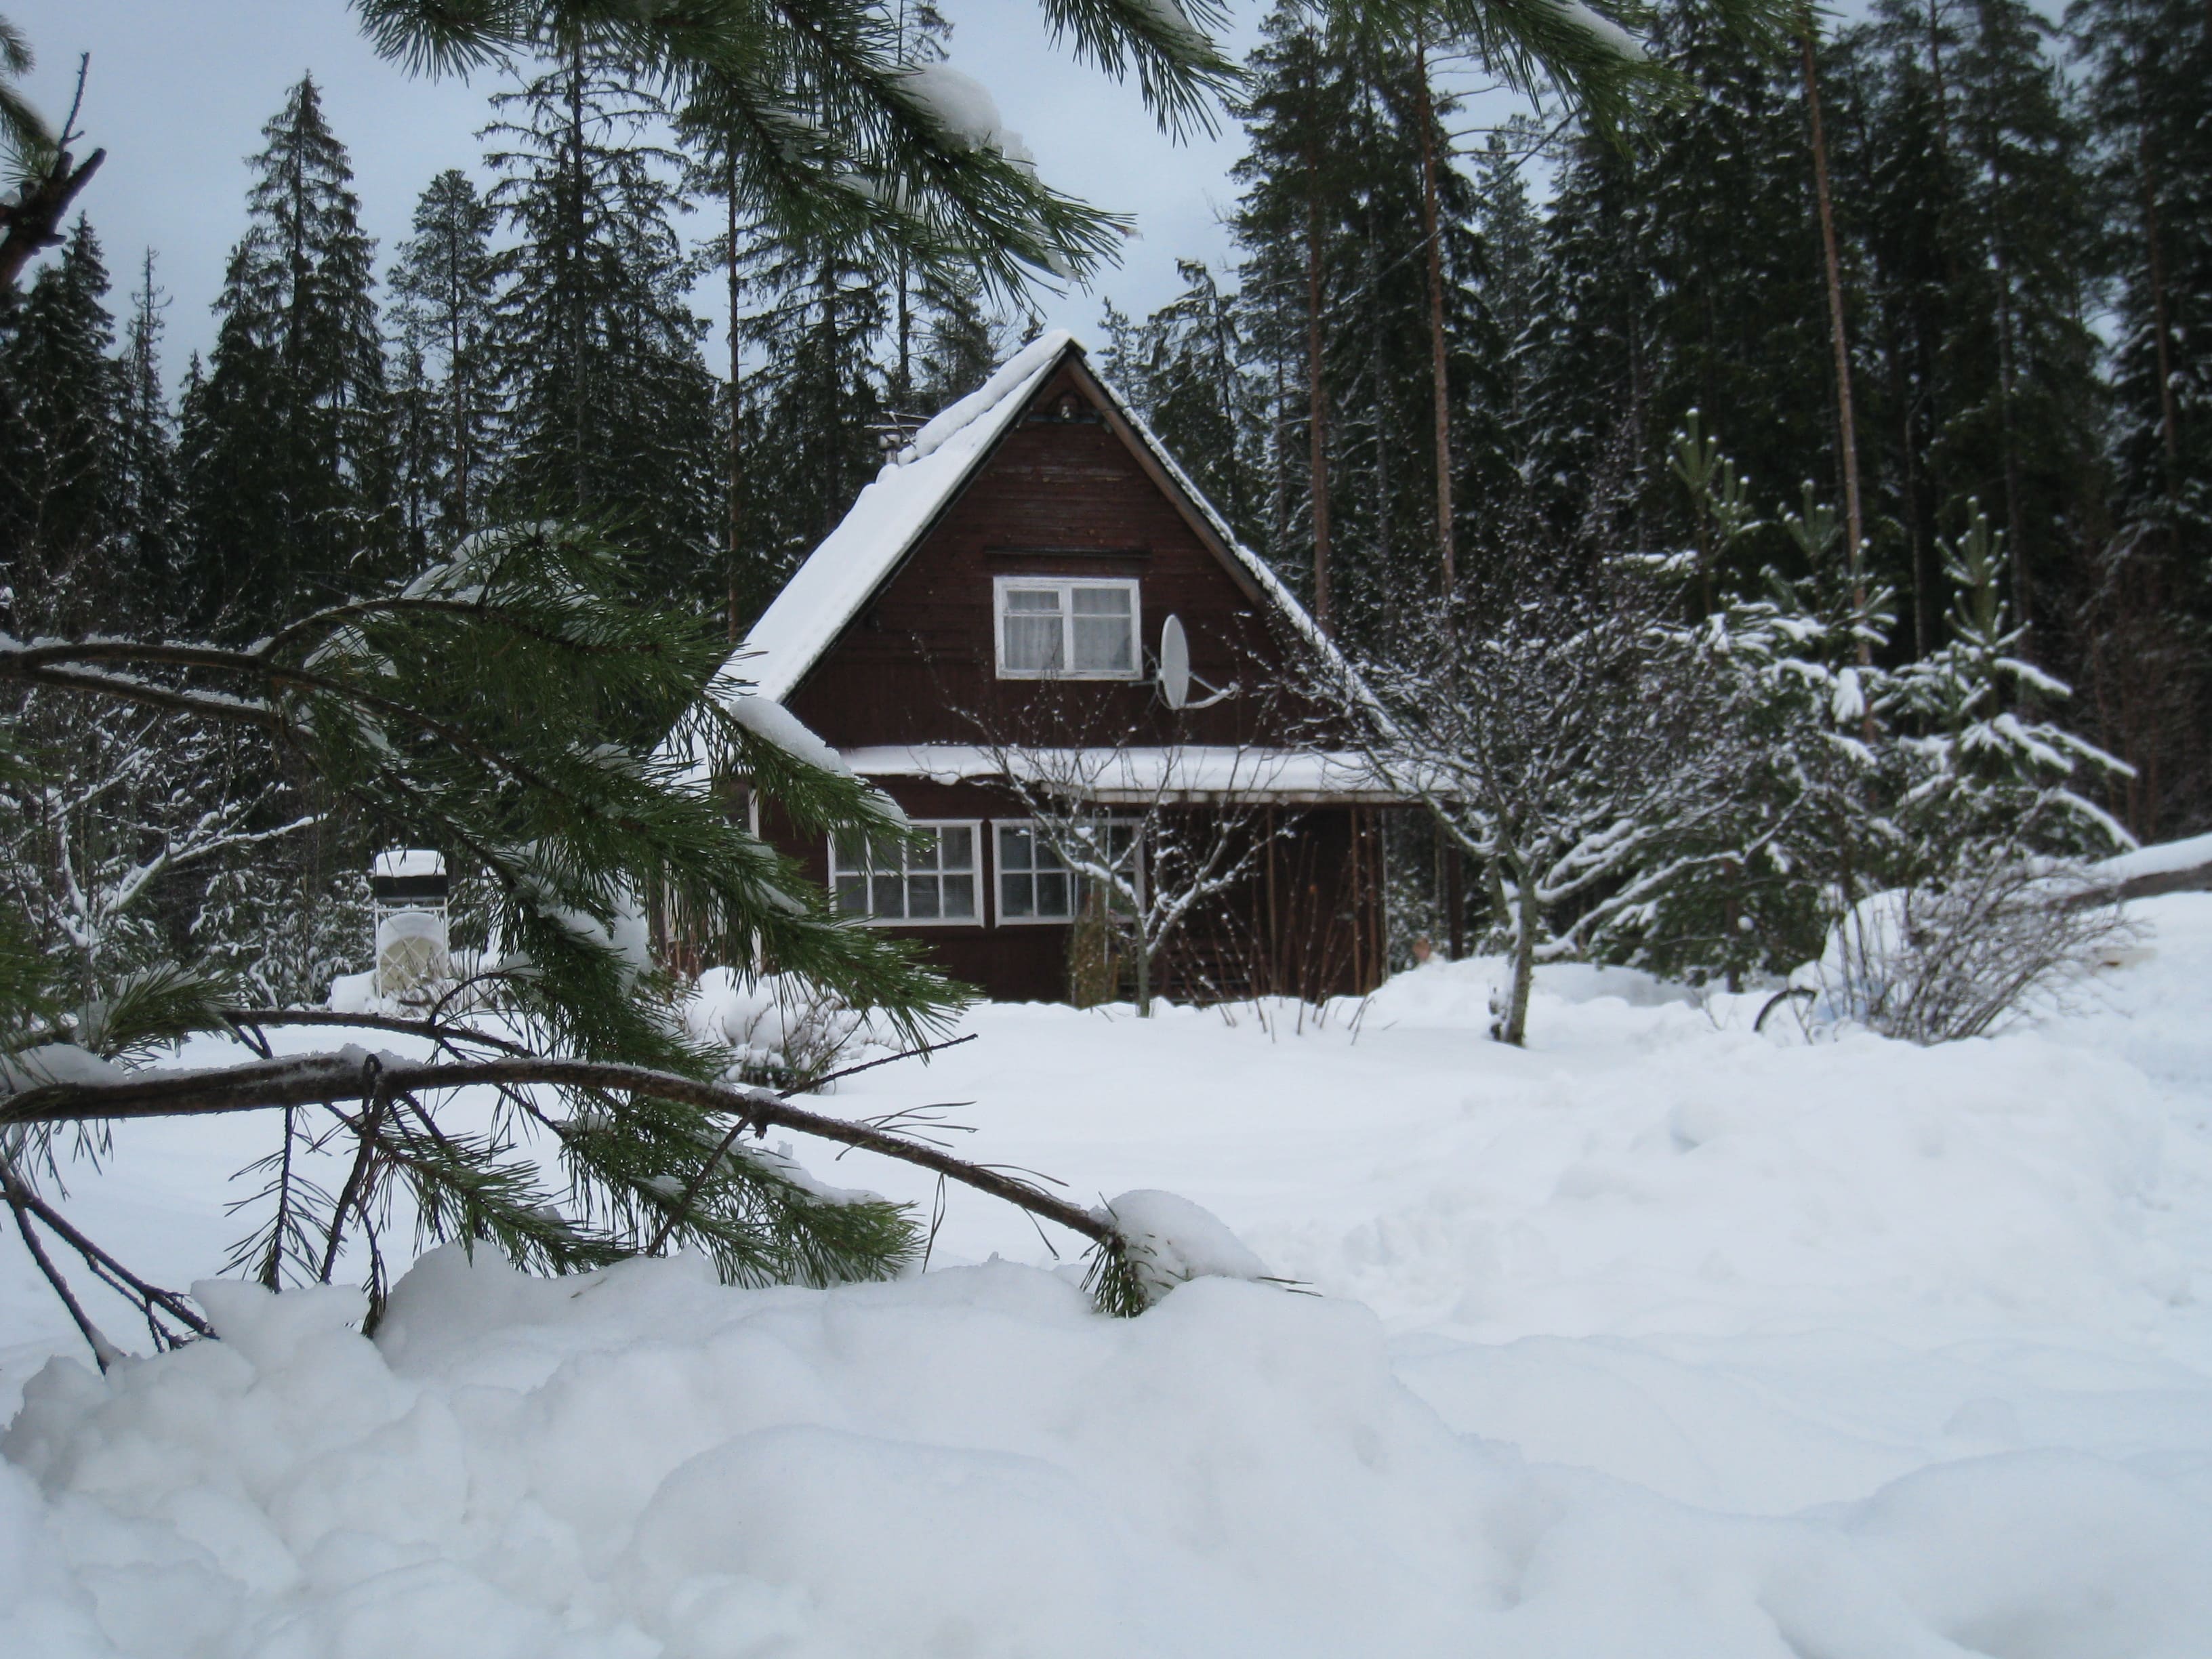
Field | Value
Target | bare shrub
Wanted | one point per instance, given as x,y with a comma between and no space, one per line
1965,955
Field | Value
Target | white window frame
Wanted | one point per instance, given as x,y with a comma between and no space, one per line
999,872
869,874
1067,587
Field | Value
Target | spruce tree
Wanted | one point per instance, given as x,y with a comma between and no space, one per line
1496,497
2149,628
820,404
1184,369
2027,444
1734,250
285,442
610,406
959,343
146,460
1593,354
1908,182
61,396
444,286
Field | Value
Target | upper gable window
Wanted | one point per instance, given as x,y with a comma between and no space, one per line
1056,627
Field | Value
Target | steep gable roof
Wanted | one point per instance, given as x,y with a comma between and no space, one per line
912,490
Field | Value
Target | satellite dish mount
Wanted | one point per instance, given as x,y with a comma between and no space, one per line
1176,677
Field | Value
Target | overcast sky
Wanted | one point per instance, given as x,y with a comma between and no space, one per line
179,91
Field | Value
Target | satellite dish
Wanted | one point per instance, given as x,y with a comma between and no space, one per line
1175,663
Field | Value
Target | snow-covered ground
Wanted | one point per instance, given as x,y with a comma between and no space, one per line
1658,1338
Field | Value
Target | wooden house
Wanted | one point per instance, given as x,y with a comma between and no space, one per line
1001,594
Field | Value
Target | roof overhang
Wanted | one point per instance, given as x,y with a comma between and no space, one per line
1184,775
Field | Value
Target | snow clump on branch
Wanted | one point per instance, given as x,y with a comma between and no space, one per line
1169,1241
963,107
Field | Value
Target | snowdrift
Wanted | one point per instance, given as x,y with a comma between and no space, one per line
645,1463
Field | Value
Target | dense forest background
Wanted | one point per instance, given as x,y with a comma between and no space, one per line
1452,349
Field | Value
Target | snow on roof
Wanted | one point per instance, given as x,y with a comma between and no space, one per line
410,861
841,573
1184,773
894,511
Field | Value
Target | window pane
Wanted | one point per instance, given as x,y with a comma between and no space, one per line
1034,598
925,856
1017,894
1052,896
852,896
1033,645
1101,601
957,847
1016,849
960,896
887,896
1046,859
922,897
850,852
1104,644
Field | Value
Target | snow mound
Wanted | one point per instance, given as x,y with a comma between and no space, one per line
2165,858
1171,1241
645,1463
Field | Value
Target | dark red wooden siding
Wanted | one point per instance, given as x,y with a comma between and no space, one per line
1056,498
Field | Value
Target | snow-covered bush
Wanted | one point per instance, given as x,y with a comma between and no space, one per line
781,1031
281,934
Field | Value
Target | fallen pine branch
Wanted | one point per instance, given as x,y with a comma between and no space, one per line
315,1079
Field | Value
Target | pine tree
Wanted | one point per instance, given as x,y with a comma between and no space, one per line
285,443
1339,312
1292,200
610,407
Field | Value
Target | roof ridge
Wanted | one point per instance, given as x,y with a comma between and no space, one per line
1006,379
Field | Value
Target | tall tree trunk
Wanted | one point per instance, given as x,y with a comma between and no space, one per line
2008,424
1935,76
903,405
457,377
735,520
2169,416
1846,423
1440,385
579,231
1316,407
